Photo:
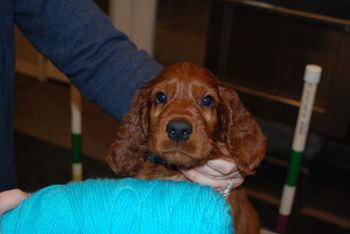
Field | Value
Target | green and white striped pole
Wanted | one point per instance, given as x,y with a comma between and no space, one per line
311,79
77,170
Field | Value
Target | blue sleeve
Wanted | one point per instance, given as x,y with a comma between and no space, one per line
121,206
81,41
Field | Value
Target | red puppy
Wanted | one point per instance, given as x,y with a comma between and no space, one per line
183,118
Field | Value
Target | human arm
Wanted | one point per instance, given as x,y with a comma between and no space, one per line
81,41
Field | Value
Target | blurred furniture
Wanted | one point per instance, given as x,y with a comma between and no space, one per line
31,63
261,48
136,18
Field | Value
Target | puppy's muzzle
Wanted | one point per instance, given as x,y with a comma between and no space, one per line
179,130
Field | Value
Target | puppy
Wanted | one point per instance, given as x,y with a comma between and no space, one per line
182,119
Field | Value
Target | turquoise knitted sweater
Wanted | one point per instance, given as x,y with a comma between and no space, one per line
121,206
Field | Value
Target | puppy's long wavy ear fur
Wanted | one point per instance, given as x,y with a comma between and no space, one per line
129,149
240,132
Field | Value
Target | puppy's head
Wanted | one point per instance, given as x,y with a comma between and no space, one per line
184,116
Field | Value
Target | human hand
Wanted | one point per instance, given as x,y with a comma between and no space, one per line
10,199
223,175
216,173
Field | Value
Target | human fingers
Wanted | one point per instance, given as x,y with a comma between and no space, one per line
218,184
222,167
10,199
215,173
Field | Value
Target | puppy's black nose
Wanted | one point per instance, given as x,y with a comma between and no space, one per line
179,130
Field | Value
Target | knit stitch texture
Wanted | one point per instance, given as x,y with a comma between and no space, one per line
121,206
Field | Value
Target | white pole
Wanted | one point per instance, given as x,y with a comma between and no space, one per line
76,129
311,79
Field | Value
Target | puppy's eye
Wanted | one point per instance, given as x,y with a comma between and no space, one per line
161,97
207,100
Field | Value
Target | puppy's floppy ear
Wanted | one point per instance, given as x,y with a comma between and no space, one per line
129,149
240,132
